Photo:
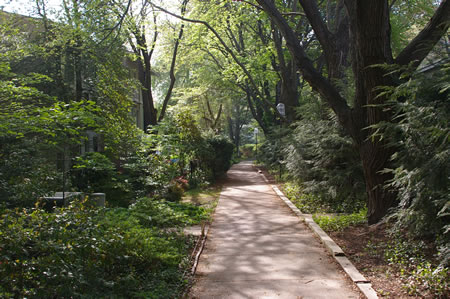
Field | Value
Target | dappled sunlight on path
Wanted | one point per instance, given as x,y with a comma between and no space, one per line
257,248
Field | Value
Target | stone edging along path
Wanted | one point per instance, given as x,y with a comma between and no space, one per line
361,282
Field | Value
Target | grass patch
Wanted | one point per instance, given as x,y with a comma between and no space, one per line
206,198
306,202
332,223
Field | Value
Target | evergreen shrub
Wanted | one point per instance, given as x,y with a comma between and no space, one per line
219,156
422,159
322,159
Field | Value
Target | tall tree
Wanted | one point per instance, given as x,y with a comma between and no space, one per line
143,42
366,23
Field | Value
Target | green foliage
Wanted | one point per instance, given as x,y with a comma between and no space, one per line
422,159
422,278
174,192
34,128
25,174
416,267
133,251
39,119
321,160
248,150
77,252
91,172
340,222
161,213
180,141
407,18
400,252
306,202
426,277
220,153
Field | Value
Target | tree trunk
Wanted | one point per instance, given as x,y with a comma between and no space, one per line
289,91
371,43
234,128
375,158
145,98
151,117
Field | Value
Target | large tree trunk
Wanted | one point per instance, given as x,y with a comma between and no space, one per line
289,91
289,78
370,40
371,45
375,158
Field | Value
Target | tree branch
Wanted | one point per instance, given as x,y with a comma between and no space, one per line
304,64
218,116
324,36
219,38
118,24
172,66
292,13
423,43
155,37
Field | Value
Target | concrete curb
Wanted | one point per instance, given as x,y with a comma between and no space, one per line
361,282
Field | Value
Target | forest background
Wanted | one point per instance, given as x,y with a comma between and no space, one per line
364,132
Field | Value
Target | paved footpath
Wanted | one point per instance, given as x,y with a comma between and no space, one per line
258,248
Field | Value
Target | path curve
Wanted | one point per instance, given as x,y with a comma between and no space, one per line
258,248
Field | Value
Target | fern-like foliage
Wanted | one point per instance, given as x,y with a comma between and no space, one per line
421,136
325,162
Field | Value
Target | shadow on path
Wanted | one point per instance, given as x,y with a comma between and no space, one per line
257,248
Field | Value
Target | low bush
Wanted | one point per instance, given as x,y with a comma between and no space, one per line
435,280
79,252
92,172
306,202
218,160
174,192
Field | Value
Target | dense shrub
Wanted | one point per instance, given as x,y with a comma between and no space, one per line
218,160
421,139
92,172
79,252
248,151
270,152
31,138
323,160
25,173
188,152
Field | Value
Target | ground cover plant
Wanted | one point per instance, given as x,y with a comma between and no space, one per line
397,267
77,251
340,222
